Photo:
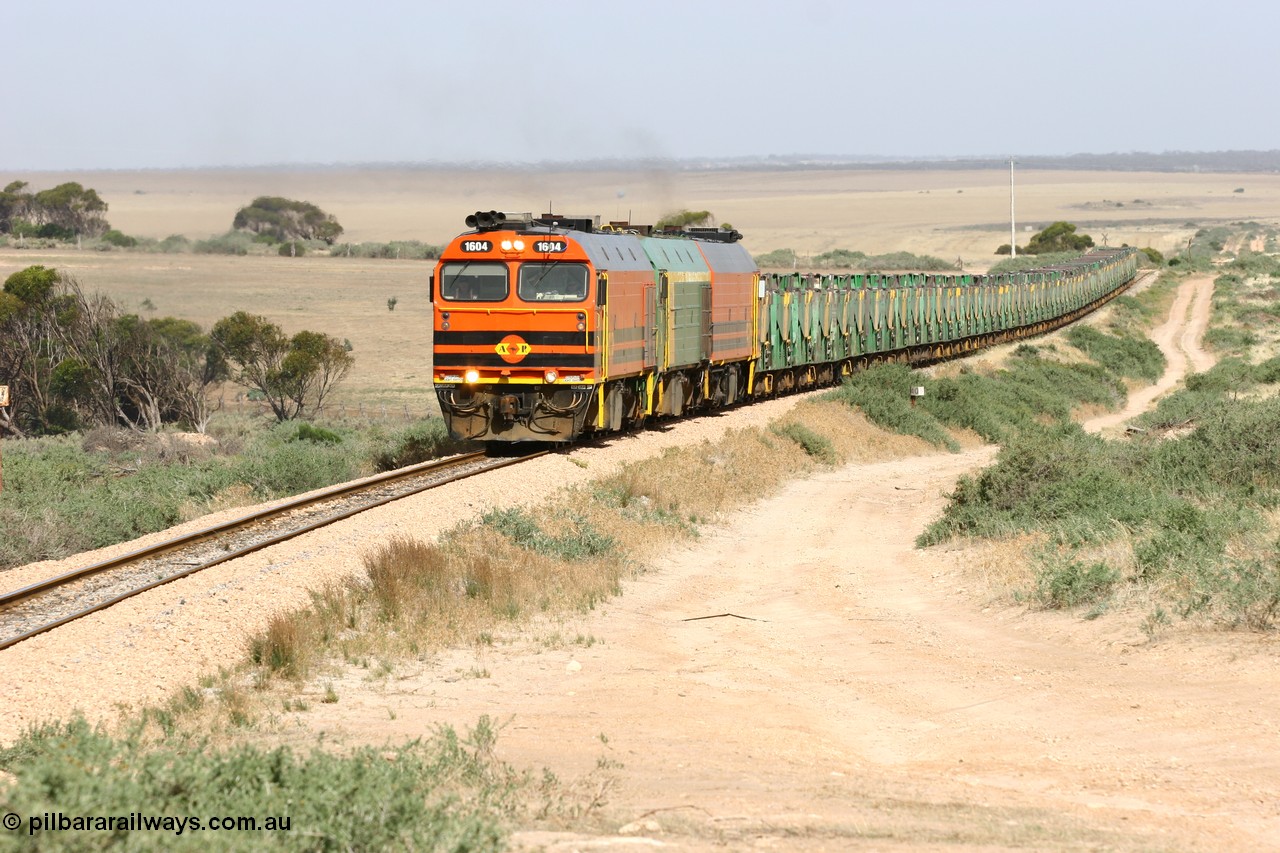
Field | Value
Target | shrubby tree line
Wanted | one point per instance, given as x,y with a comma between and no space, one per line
685,219
70,211
1058,237
848,259
73,360
62,213
294,375
1061,238
282,219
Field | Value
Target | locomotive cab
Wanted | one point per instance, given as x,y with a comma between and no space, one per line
515,317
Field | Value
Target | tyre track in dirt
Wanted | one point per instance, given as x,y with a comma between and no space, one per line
1179,338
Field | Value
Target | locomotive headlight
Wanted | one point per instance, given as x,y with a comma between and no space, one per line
551,376
519,245
506,245
472,376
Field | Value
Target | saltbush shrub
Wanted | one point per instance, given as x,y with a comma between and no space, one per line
1130,356
407,250
64,495
423,441
817,446
118,239
231,243
1066,582
444,792
582,541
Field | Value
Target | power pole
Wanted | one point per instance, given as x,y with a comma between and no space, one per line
1013,231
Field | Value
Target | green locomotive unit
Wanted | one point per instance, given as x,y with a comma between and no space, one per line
548,329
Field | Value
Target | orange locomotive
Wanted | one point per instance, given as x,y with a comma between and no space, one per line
549,328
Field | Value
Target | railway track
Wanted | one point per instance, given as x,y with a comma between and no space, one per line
47,604
40,607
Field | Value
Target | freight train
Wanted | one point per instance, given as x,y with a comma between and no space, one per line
551,328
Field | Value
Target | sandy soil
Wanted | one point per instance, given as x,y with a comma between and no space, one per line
805,679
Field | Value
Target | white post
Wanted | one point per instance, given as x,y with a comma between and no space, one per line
1013,231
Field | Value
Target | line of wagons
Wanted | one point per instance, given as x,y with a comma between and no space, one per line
549,328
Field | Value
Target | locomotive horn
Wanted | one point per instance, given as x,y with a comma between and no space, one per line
483,220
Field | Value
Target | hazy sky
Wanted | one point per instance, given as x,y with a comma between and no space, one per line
162,84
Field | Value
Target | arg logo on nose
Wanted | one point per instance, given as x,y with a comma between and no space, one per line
513,349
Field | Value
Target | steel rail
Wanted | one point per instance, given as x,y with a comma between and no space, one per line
17,595
244,521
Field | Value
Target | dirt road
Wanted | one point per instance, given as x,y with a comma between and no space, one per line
805,679
1179,339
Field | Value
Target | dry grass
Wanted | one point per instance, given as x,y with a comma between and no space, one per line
1002,569
232,497
564,557
854,438
416,597
1008,572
